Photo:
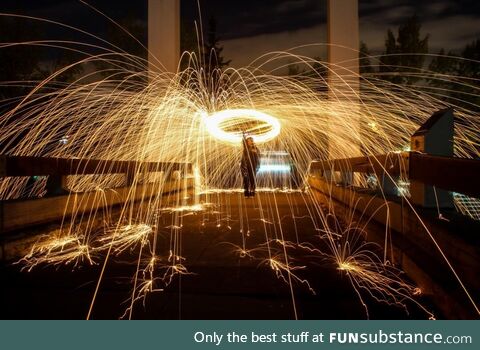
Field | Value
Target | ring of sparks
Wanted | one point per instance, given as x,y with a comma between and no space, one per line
231,124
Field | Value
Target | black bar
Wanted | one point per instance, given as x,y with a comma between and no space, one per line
390,163
460,175
42,166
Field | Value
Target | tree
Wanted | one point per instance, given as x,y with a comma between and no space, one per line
212,60
18,62
294,69
404,55
188,37
62,59
390,61
130,42
212,51
457,76
469,67
23,63
444,65
467,93
364,59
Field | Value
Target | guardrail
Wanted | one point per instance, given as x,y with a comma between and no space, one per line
48,166
452,174
431,173
59,202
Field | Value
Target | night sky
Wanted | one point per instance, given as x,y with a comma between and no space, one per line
251,28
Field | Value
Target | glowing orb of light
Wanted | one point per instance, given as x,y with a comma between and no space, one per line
229,125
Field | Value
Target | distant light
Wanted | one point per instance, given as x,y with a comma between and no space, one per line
214,123
405,148
373,126
275,168
276,153
403,188
64,140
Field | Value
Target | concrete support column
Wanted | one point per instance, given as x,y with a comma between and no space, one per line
343,81
344,40
163,35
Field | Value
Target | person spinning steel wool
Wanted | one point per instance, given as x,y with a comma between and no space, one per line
249,165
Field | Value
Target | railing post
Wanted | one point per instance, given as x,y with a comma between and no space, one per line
390,181
2,220
129,177
388,185
56,185
2,174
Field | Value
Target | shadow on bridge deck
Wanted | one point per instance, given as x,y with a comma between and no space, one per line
222,284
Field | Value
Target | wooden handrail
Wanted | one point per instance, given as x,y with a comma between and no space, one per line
449,173
391,163
42,166
460,175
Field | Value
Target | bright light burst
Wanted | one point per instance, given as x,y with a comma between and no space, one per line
230,125
125,237
57,249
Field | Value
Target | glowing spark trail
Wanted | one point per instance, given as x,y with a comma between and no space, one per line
237,119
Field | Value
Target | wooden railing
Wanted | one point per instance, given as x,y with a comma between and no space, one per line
452,174
38,166
60,202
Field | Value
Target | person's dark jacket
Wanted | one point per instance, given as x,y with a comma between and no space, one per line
250,159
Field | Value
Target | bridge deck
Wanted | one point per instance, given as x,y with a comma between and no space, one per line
223,285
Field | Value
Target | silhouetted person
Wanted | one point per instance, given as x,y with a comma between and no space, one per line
249,165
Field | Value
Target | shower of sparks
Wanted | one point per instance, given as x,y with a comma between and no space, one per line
57,250
381,281
185,117
126,237
195,208
286,272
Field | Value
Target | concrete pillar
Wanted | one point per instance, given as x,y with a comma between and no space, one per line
163,35
343,80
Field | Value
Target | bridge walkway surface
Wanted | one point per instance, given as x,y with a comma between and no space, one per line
226,248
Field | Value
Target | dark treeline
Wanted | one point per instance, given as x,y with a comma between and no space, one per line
406,60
